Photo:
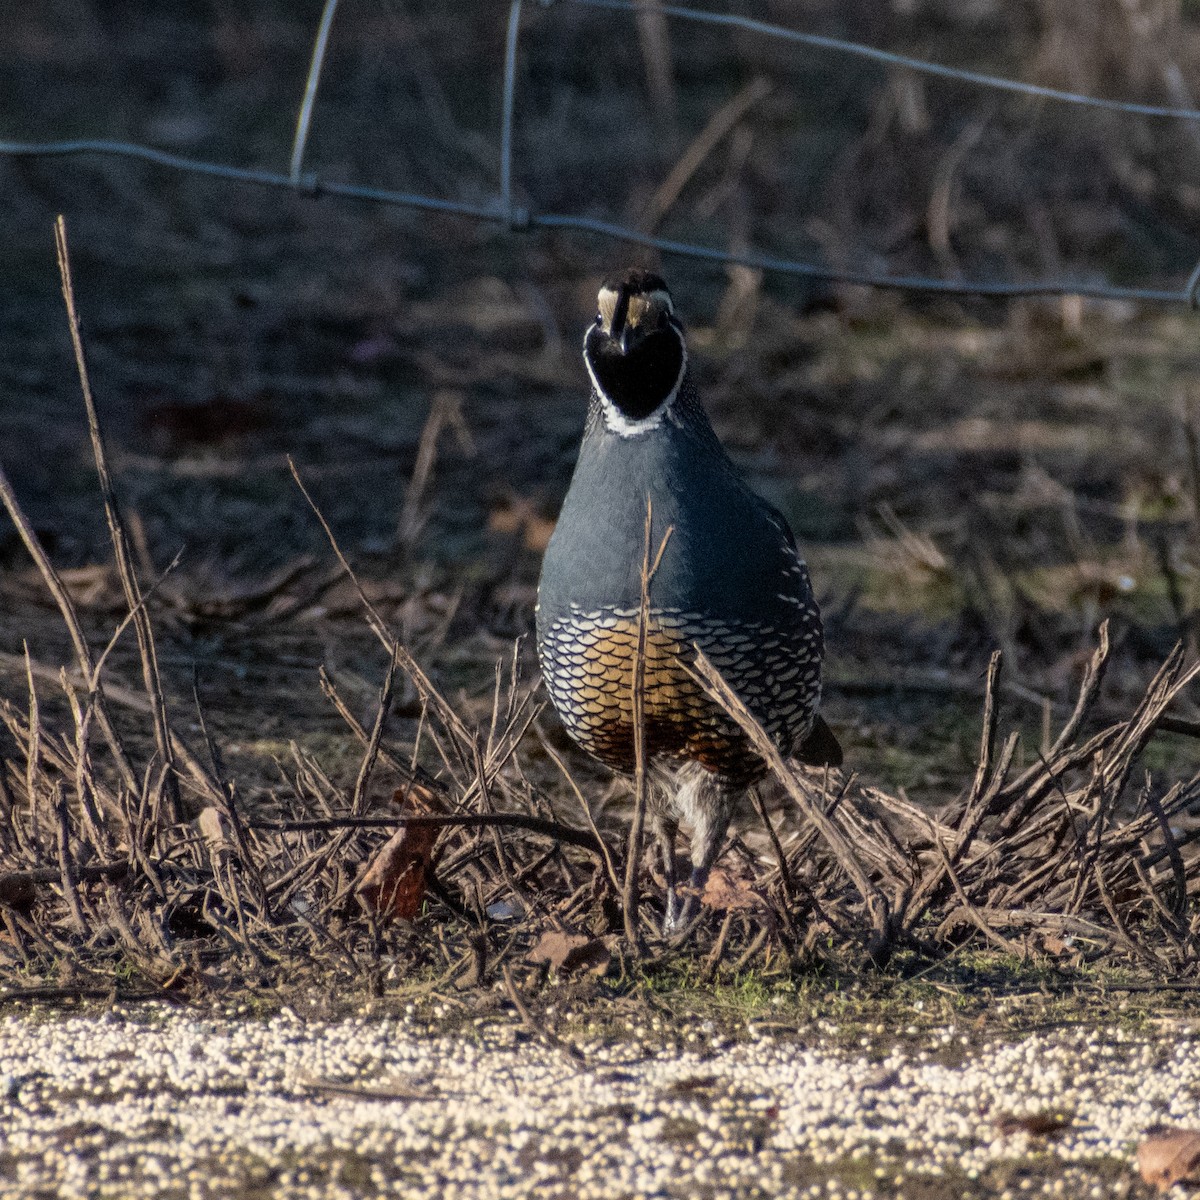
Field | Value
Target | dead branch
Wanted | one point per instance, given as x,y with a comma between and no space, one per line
116,528
630,894
569,836
880,944
66,608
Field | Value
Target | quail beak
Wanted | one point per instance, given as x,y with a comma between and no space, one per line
626,337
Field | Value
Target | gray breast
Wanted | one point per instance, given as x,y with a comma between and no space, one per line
730,580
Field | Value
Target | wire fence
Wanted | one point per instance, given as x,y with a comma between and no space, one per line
502,208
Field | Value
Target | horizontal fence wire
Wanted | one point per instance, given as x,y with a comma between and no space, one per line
888,58
502,209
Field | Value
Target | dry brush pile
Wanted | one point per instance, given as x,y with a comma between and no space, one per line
149,871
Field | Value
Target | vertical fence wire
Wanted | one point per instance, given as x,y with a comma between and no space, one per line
511,39
304,120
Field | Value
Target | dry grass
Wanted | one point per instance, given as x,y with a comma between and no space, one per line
101,880
152,865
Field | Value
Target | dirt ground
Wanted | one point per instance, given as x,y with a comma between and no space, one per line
765,1100
961,476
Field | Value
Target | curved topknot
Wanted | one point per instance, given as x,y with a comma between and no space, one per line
637,282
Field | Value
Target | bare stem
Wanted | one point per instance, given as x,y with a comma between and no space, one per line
116,528
637,827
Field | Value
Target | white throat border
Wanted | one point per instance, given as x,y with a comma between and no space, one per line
616,421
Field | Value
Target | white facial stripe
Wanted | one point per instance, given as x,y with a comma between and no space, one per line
639,306
616,420
606,302
648,306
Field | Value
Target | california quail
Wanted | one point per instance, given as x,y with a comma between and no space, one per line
730,582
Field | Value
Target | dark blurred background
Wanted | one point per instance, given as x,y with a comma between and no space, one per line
962,474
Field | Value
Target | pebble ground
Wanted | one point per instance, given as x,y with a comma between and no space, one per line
158,1102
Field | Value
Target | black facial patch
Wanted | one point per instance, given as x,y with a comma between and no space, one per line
639,380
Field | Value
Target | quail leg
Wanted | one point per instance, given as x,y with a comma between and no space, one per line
706,802
665,831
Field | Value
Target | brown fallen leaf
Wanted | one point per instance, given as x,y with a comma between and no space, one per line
1169,1156
723,891
567,952
519,516
394,883
1042,1124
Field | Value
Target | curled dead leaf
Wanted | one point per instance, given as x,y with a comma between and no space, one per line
397,875
723,891
417,798
1169,1156
395,880
567,952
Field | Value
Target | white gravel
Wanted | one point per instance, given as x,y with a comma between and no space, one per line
159,1102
